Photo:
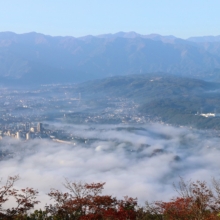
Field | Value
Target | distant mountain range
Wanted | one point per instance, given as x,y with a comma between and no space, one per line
35,58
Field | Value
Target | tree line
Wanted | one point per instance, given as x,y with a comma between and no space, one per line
85,201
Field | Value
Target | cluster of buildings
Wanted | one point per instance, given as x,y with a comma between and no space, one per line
27,131
23,131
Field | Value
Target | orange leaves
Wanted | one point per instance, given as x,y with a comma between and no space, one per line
179,208
196,202
84,201
185,209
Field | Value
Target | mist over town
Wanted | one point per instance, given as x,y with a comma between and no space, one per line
109,110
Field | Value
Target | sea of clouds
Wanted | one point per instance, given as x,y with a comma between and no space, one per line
138,161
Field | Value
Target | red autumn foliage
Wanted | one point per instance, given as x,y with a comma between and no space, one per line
25,199
197,202
185,209
85,201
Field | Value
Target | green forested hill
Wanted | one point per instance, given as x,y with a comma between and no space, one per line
176,100
150,86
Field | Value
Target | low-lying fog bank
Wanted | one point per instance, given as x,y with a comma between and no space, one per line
141,161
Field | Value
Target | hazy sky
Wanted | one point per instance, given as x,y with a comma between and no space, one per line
182,18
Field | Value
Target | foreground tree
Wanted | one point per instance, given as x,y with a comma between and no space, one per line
195,202
25,199
84,201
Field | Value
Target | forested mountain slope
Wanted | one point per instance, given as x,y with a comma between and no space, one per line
36,58
176,100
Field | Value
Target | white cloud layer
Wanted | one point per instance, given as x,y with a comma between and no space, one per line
141,162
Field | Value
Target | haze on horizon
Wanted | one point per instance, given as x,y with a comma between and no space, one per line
79,18
116,138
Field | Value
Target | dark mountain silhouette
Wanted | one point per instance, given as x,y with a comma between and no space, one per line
36,58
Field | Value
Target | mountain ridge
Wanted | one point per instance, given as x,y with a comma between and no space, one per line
39,58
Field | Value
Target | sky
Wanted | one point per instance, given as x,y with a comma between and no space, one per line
182,18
